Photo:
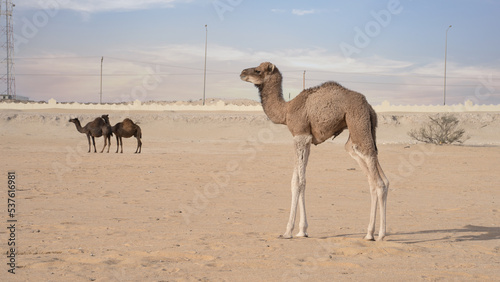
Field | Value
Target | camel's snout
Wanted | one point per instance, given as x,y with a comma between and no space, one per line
244,75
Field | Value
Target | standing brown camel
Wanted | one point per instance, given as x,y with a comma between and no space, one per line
127,128
96,128
315,115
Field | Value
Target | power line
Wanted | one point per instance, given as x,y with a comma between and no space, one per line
127,60
199,71
107,75
381,74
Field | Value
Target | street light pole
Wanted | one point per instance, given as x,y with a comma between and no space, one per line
445,54
205,68
304,81
100,92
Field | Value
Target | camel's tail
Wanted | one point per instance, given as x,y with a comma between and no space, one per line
374,122
139,132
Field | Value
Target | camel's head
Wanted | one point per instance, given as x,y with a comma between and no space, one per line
258,75
105,118
74,120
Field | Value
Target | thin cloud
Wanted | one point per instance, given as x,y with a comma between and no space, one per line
299,12
278,11
93,6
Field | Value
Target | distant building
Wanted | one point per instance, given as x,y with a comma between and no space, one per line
9,97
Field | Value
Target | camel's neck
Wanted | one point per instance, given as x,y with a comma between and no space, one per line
79,127
271,96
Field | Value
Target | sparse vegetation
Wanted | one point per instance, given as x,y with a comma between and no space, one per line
440,130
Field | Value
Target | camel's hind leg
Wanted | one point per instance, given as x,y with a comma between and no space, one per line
117,143
302,148
378,187
139,146
105,143
138,135
109,142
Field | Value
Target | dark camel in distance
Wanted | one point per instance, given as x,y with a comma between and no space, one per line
96,128
126,129
315,115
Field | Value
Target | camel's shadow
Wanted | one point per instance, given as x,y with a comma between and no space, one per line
466,233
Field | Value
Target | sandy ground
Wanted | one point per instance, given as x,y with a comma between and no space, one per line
209,195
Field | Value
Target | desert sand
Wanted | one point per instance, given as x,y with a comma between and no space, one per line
209,195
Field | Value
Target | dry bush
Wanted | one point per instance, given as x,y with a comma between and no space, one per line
440,130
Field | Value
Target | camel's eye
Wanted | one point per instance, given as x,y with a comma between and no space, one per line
257,71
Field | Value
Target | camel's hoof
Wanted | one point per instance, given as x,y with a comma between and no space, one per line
305,235
285,237
369,238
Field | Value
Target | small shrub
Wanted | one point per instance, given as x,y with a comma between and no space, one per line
440,130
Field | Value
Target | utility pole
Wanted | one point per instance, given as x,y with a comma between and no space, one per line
304,81
100,95
445,53
205,68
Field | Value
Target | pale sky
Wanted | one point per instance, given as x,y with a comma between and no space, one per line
154,50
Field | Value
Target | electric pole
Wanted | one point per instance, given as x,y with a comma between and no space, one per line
205,68
304,81
445,53
100,92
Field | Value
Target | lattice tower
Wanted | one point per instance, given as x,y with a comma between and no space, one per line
7,79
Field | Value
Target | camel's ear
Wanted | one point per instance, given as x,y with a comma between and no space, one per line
271,67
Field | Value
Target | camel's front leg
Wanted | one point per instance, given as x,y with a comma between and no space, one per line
293,209
88,139
93,143
302,148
